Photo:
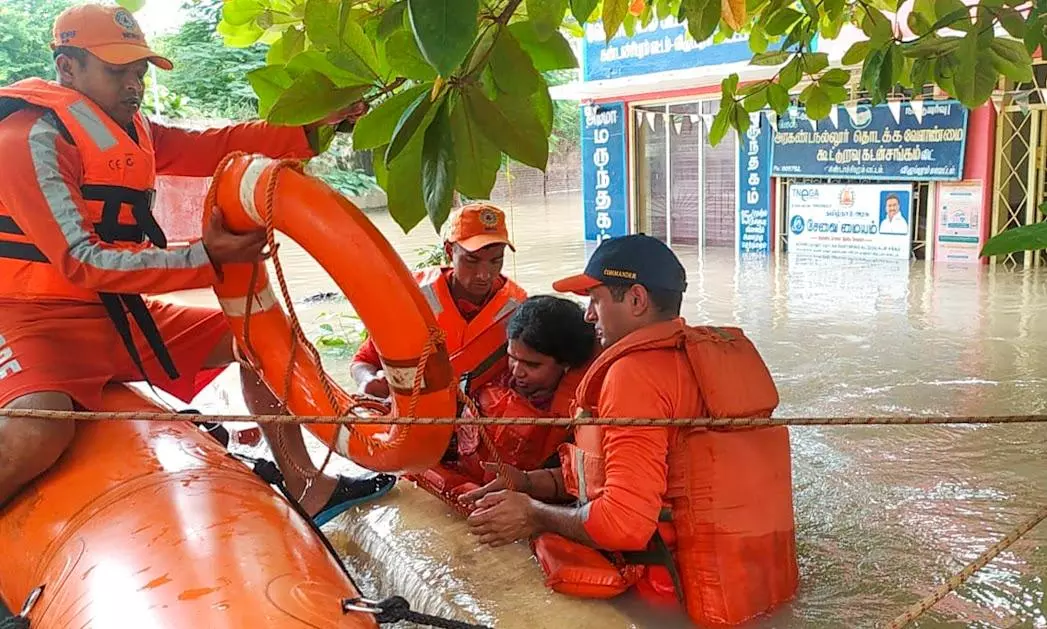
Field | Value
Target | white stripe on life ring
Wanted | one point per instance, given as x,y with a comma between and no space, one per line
237,306
247,188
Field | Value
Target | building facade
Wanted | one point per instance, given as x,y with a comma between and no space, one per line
911,178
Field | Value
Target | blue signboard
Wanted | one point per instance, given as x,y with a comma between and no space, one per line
873,145
604,171
754,190
660,46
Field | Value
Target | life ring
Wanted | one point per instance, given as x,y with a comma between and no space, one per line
382,291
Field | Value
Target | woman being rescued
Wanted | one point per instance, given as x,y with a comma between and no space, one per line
550,345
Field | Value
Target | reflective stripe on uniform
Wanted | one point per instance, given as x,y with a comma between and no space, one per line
429,290
507,309
66,213
93,125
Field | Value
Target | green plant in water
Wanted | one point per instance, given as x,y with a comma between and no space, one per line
433,255
353,183
341,334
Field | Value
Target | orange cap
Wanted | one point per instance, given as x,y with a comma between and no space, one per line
108,32
477,225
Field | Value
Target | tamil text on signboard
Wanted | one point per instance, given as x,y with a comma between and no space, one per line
604,171
868,221
754,190
660,46
873,145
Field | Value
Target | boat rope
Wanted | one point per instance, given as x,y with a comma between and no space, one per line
568,422
959,578
396,608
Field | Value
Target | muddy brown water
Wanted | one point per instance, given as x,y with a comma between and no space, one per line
883,513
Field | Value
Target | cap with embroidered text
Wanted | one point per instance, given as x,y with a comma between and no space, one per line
110,33
477,225
634,259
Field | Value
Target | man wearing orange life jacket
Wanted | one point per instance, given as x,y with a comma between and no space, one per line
79,245
550,346
702,514
471,299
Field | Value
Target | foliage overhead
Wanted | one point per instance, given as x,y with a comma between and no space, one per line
25,33
455,84
212,75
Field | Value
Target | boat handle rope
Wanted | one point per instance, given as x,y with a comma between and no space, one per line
396,608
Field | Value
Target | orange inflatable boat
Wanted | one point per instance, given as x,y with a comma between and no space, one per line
144,525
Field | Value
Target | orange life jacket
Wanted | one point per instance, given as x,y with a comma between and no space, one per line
479,347
729,491
117,188
523,447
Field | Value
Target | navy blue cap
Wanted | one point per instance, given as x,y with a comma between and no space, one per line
635,259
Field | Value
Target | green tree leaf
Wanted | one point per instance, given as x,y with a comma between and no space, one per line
319,61
478,160
856,53
1012,22
614,12
777,97
310,98
404,186
392,20
791,74
780,22
836,76
511,67
290,44
758,41
770,58
702,17
755,101
408,126
1025,238
815,62
323,21
546,16
444,30
438,167
405,59
721,123
817,104
521,138
554,53
131,5
377,126
876,27
583,9
976,73
269,83
1010,59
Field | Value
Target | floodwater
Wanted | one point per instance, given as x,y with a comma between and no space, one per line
883,513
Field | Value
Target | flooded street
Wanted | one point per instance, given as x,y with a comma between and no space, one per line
883,514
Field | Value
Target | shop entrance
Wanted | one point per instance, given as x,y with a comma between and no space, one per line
685,187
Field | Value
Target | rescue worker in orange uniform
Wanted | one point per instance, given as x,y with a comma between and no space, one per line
705,515
79,245
550,346
471,299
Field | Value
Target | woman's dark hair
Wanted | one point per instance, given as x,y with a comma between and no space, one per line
556,327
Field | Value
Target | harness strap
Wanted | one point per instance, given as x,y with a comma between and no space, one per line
657,554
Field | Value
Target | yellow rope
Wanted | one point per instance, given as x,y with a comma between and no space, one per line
956,581
699,422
